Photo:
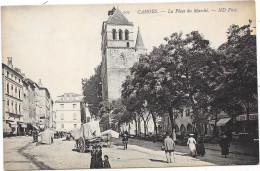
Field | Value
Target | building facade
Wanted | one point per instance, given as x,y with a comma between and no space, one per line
68,116
120,50
12,81
45,106
21,102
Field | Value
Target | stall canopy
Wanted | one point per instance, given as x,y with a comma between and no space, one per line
88,130
7,128
222,122
46,136
113,134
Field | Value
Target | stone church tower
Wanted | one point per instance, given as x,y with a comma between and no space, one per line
120,50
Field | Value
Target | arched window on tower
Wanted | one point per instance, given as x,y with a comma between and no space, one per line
120,34
126,35
114,34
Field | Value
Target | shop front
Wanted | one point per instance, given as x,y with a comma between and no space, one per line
242,129
21,128
6,129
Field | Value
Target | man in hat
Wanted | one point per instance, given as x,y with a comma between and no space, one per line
169,147
125,141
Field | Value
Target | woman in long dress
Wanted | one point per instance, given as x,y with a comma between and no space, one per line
99,162
224,145
192,145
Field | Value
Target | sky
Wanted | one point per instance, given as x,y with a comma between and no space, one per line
61,44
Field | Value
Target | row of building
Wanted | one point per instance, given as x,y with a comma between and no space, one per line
26,104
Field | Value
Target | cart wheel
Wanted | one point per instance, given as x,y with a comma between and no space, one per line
82,146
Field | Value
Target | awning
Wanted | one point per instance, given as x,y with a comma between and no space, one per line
222,122
23,125
13,125
41,126
6,128
111,132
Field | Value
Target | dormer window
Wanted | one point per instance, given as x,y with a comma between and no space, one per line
120,34
114,34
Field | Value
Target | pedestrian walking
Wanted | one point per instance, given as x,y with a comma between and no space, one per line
200,148
169,147
192,145
106,162
125,141
93,157
224,145
98,162
196,134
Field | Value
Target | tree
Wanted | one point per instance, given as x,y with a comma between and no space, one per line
239,87
92,91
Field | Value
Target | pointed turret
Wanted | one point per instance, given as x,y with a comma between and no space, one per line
139,41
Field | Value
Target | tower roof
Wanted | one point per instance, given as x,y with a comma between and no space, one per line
118,18
139,41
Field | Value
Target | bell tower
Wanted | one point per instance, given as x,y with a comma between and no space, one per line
119,52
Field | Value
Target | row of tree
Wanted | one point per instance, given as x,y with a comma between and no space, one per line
185,74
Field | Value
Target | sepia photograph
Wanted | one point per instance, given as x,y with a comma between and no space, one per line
129,85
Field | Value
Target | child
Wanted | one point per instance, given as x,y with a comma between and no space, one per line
106,162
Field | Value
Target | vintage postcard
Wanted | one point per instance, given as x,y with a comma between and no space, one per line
129,85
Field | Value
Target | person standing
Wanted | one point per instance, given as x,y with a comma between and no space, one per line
93,158
169,147
125,141
200,148
224,145
99,161
192,145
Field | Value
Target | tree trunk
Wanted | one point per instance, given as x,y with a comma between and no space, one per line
247,116
215,126
171,119
145,128
136,127
155,125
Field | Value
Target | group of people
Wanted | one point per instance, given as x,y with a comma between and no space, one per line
196,147
96,158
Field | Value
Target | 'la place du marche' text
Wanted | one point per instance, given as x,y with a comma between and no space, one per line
179,11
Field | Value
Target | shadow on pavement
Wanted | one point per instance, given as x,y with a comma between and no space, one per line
155,160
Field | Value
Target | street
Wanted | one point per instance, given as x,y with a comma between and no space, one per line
21,154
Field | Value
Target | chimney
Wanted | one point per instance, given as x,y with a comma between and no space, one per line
10,63
111,12
18,70
40,83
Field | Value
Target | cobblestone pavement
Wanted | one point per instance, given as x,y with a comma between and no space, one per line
13,159
212,156
62,155
21,154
